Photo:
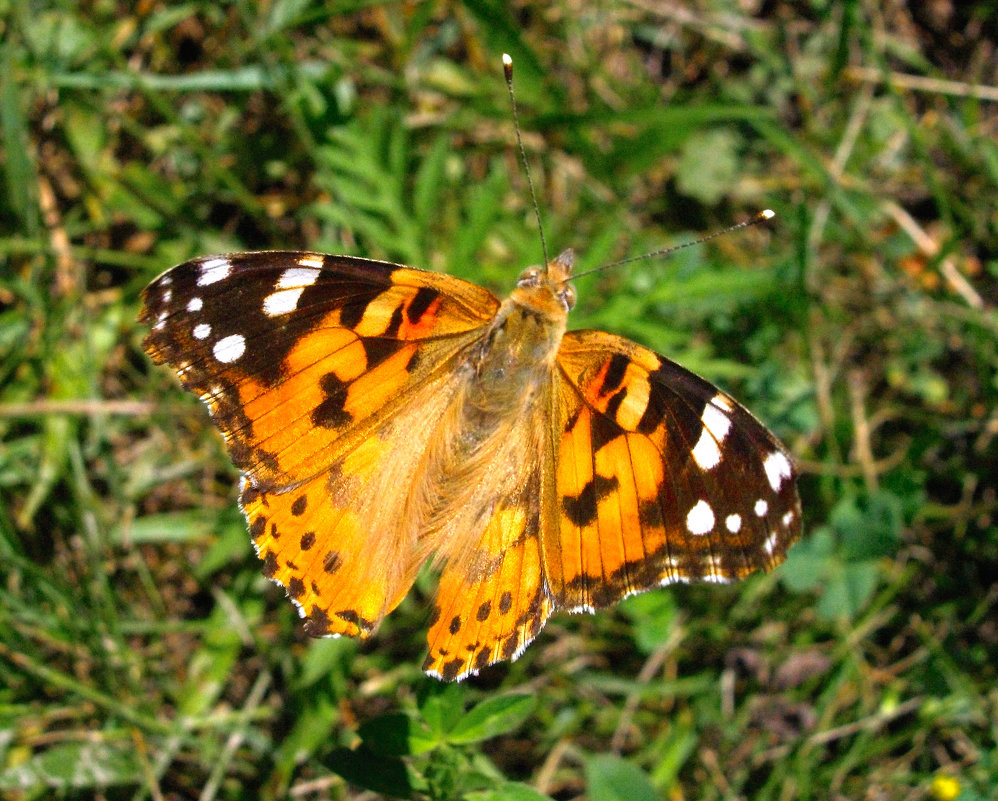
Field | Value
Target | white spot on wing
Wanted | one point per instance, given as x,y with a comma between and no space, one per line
716,421
706,453
167,295
214,270
716,424
788,518
700,519
770,544
298,277
282,302
290,285
194,304
761,507
733,523
777,468
311,261
229,348
202,331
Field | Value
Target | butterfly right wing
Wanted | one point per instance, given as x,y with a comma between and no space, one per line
661,478
316,369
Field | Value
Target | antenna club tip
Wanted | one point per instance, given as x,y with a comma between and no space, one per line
767,214
507,59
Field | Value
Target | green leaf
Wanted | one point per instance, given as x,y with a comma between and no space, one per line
840,561
653,618
492,717
674,752
440,706
508,791
396,734
808,560
76,766
848,590
364,167
868,526
188,526
376,772
610,778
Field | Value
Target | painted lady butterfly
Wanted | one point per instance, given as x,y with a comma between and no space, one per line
383,416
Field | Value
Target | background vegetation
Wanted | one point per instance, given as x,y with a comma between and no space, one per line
143,655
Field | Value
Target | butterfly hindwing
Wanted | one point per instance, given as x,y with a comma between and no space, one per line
490,606
661,477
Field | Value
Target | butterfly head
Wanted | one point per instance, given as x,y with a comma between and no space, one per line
549,286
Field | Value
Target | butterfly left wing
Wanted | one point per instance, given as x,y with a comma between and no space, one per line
319,371
661,478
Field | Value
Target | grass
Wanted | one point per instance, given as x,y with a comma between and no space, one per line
143,654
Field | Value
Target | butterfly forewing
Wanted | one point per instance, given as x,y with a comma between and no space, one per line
662,478
293,351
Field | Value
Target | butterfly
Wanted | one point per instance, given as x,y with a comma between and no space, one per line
384,417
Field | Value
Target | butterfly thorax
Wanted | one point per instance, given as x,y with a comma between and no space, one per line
513,363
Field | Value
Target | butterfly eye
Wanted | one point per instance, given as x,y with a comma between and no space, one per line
530,277
566,294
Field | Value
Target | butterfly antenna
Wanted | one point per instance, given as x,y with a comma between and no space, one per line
507,67
762,216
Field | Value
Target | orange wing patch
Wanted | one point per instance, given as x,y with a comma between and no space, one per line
293,533
320,550
491,605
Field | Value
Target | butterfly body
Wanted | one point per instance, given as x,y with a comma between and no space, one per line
384,416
